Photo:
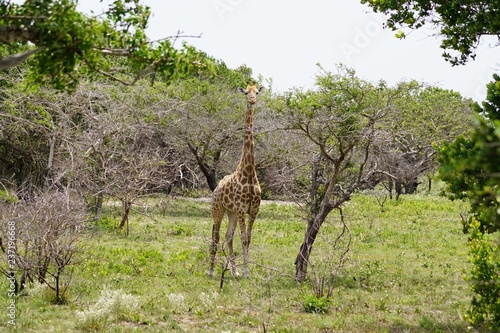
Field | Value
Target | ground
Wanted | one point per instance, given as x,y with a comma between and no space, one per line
404,273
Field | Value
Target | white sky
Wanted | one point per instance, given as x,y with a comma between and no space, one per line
285,39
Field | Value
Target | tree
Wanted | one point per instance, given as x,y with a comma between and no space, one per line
341,121
470,166
119,149
137,162
95,140
422,118
461,24
35,130
66,45
205,118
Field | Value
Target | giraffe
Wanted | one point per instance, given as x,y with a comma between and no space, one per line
238,194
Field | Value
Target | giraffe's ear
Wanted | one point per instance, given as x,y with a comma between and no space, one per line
261,88
242,90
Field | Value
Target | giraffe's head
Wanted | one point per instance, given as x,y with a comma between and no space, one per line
251,91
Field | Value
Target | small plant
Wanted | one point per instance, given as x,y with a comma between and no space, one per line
177,302
484,309
381,201
208,299
179,230
7,195
314,304
112,306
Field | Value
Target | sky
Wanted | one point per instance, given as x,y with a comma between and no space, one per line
284,40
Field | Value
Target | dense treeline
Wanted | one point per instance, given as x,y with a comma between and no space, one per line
188,132
317,147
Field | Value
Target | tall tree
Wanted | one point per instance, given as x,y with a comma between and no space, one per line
203,117
461,24
341,121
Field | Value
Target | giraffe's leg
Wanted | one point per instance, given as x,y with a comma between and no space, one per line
218,214
251,220
232,217
244,243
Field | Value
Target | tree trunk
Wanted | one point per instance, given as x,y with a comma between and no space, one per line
390,186
211,180
208,172
411,186
321,206
399,189
98,206
313,225
126,210
50,162
58,296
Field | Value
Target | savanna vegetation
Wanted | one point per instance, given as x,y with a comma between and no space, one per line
103,165
404,272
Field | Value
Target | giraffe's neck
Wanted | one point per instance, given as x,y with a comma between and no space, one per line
247,162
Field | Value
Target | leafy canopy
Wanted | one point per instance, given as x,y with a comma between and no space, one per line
66,44
471,165
460,23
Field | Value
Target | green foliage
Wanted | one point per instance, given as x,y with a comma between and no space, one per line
460,23
180,230
430,115
71,45
484,310
314,304
8,196
457,168
335,118
406,267
470,166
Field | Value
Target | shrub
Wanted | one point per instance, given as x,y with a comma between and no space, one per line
8,196
177,303
112,306
484,276
315,304
43,236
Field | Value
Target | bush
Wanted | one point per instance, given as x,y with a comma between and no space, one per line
484,276
43,236
315,304
112,306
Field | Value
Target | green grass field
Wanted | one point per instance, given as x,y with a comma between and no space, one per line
404,273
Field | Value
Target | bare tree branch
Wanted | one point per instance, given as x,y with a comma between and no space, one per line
17,58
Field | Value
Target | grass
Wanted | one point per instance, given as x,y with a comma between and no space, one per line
404,274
